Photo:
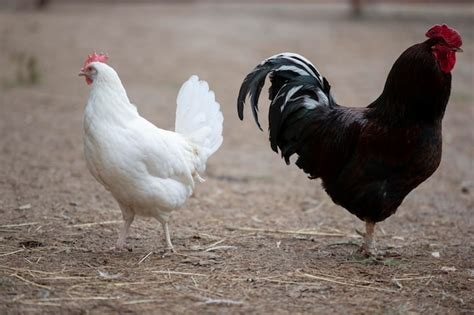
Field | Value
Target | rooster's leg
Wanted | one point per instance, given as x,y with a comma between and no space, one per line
123,234
368,246
167,237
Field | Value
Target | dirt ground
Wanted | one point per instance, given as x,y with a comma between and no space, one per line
58,225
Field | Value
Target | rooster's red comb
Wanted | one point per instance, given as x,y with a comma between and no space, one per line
450,35
95,57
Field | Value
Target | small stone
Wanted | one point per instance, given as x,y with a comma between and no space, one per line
25,207
467,186
435,254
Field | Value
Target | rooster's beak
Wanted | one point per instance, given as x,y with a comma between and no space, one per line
458,49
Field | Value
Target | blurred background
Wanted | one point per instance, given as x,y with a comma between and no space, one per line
157,45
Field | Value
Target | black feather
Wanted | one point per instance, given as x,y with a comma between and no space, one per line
283,69
369,158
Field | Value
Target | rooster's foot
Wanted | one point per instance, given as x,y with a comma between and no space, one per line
368,251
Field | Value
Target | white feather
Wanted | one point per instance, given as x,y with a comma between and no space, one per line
323,99
310,103
198,117
150,171
304,63
290,93
292,68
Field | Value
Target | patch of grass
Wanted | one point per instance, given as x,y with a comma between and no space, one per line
27,71
345,242
392,262
370,261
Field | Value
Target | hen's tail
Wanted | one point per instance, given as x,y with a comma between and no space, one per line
296,90
198,116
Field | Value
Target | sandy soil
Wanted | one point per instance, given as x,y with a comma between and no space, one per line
57,224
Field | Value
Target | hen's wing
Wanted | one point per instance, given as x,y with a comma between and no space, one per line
165,154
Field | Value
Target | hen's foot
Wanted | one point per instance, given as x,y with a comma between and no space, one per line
122,247
168,252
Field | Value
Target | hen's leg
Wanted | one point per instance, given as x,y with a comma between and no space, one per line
128,217
368,246
167,236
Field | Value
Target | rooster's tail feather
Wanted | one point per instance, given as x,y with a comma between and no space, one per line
296,90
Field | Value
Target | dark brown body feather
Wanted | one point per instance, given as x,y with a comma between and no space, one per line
369,159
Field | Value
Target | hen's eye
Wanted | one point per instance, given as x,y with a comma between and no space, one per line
89,69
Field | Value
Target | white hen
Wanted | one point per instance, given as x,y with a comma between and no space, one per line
149,171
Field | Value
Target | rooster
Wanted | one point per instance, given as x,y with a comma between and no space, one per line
149,171
369,159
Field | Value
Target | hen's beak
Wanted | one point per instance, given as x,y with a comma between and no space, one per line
82,73
458,49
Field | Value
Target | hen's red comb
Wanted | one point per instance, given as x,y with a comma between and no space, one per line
95,57
450,35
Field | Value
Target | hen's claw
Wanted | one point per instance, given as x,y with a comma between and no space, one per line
120,247
168,252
